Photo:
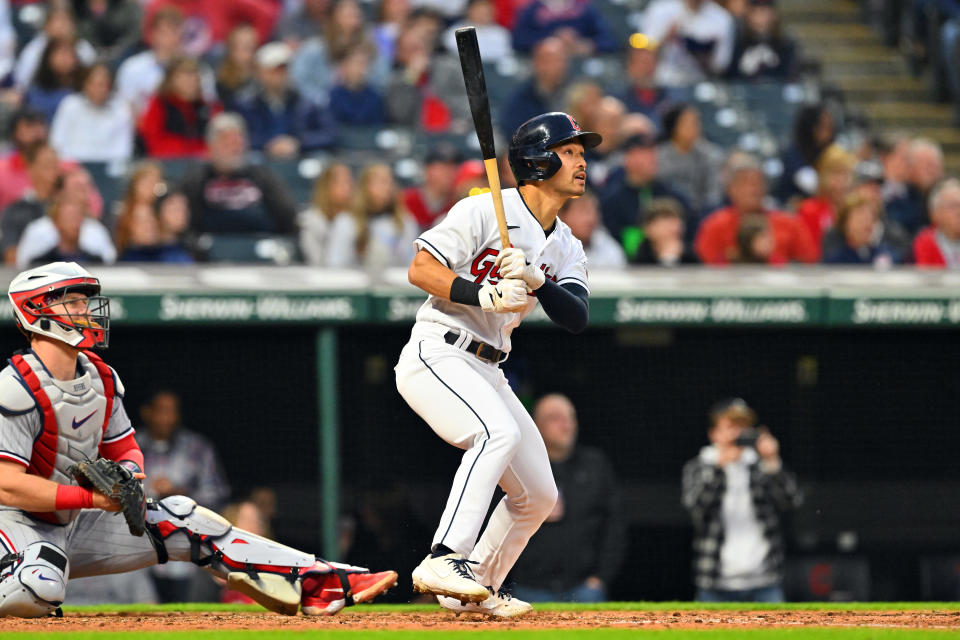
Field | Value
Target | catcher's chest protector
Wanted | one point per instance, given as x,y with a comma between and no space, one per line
75,416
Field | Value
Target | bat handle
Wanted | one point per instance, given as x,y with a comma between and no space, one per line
493,178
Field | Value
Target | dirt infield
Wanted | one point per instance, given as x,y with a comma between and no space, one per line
177,621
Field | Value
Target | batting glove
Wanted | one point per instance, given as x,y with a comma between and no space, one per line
513,264
509,296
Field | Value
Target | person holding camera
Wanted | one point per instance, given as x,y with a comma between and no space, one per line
737,491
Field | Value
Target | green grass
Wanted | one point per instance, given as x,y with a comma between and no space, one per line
513,634
565,606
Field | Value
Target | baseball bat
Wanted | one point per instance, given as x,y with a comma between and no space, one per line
480,109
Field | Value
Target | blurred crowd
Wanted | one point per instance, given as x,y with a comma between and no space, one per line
254,131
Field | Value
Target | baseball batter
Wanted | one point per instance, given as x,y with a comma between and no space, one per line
61,404
448,373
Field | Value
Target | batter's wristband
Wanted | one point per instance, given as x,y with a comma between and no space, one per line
70,497
465,292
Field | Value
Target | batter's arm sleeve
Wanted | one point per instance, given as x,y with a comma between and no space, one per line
703,487
613,541
568,305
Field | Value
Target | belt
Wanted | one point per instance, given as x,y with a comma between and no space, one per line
482,350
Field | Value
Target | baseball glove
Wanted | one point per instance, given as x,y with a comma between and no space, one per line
116,482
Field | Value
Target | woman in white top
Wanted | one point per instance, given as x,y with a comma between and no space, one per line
332,197
93,125
66,233
385,231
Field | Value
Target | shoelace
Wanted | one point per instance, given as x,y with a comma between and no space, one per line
461,566
501,593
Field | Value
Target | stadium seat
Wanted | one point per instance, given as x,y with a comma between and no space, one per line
293,177
249,248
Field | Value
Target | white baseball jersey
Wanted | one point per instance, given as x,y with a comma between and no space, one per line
468,242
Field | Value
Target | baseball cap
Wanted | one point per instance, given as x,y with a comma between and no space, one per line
641,139
442,152
868,171
274,54
469,170
735,408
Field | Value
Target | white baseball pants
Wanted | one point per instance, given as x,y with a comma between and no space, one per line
469,404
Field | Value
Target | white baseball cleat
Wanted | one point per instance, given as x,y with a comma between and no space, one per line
449,575
498,605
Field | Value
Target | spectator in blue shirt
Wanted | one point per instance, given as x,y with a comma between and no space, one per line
544,91
642,94
280,121
860,236
58,75
577,22
353,100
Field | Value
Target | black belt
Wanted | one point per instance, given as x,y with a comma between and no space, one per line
482,350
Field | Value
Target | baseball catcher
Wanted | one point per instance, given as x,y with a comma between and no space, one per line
69,464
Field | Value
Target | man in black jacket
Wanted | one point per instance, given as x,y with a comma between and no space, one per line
630,189
228,195
587,517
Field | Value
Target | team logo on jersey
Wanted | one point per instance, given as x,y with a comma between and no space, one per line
77,425
484,268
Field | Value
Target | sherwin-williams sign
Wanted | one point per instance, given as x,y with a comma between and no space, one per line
605,310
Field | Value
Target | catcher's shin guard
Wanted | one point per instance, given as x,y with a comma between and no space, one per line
262,569
34,581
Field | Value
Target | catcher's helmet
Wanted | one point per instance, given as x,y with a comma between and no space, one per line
530,155
38,295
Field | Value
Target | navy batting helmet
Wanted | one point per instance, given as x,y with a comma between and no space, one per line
530,152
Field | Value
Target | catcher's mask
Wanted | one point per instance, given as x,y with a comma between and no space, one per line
62,301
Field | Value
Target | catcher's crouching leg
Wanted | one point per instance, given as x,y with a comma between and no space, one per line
277,576
34,581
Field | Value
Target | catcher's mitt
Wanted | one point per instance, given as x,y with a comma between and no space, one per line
115,482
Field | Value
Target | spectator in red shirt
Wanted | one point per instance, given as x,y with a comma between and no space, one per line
717,239
27,130
176,118
835,168
938,246
431,201
209,21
